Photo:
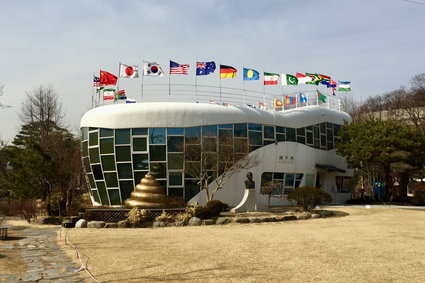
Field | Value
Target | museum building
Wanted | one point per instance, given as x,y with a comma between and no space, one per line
296,147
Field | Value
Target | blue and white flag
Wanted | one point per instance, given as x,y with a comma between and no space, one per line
130,100
205,68
303,98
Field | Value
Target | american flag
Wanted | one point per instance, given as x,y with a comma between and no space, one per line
96,81
178,69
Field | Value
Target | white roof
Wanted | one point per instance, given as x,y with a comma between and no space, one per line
182,114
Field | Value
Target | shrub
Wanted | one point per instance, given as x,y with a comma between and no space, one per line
24,209
308,197
137,216
186,215
165,217
203,212
216,207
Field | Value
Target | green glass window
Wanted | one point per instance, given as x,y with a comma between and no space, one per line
323,128
111,180
91,181
175,192
158,169
86,164
108,162
191,169
191,189
122,136
175,161
157,152
255,127
240,130
140,132
323,141
209,144
301,139
140,161
139,175
290,134
102,192
175,178
114,196
107,145
301,132
123,153
309,138
241,145
266,177
85,149
330,134
140,144
93,138
175,143
124,171
255,138
336,129
94,155
269,132
97,172
192,135
84,133
225,136
209,130
106,132
225,126
175,131
280,130
95,196
127,188
316,131
157,136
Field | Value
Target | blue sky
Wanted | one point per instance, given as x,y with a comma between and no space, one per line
377,45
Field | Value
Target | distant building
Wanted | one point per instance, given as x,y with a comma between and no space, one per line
296,147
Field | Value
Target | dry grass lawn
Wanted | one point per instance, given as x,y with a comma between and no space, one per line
369,245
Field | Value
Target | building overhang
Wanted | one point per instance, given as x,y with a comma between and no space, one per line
330,168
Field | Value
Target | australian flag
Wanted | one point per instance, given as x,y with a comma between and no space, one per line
205,68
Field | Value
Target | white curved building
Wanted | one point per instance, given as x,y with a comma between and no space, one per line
122,142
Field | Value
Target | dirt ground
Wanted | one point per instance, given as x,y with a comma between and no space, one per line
368,245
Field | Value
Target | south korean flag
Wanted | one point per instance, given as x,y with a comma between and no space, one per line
152,69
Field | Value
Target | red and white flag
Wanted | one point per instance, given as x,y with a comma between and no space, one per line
178,69
302,79
129,71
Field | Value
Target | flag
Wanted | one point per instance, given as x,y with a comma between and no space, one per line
120,95
251,106
303,98
290,100
205,68
129,71
226,104
344,86
152,69
277,103
302,79
214,102
262,105
289,79
130,100
178,69
250,75
227,72
96,81
327,78
108,94
315,79
329,83
321,97
98,89
107,78
270,78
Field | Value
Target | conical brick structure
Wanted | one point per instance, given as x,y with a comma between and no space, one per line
148,194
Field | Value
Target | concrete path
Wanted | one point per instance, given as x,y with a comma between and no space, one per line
45,262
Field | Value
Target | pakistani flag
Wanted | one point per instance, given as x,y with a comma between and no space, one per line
321,97
289,79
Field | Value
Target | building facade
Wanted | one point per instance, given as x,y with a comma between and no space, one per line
121,143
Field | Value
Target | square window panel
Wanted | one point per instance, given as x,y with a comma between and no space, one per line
175,143
125,171
255,127
126,187
139,131
86,163
175,192
140,144
209,144
85,149
94,155
209,130
240,130
111,180
102,193
122,136
191,188
93,138
108,162
225,136
97,172
269,132
107,145
157,152
175,178
114,196
280,138
106,132
175,161
175,131
158,169
139,175
290,134
241,145
91,181
255,138
123,153
193,135
157,136
140,161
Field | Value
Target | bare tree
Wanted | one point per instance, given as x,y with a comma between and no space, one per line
1,94
42,107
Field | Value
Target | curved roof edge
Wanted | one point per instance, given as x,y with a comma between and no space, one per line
182,114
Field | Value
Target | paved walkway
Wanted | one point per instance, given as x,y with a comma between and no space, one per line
45,262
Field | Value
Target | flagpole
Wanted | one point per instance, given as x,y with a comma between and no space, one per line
143,77
196,82
243,85
220,82
118,82
169,79
92,93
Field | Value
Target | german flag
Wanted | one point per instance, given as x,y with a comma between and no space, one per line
227,72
